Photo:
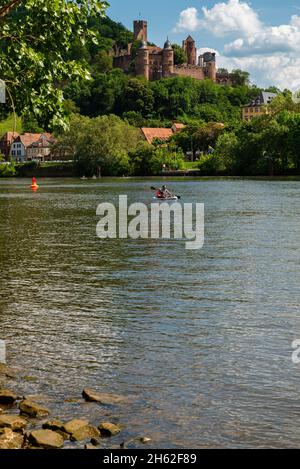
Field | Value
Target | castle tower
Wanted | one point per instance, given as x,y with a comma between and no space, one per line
167,60
208,62
212,71
140,29
142,64
189,46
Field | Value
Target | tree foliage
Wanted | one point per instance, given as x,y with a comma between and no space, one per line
35,38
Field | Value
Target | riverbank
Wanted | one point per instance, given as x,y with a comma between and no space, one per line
26,422
67,170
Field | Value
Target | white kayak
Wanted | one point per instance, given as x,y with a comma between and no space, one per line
174,197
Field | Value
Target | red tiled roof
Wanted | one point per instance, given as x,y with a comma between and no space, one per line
28,139
9,136
151,134
177,126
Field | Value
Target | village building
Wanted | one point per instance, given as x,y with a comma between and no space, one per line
40,150
6,142
22,147
162,134
258,106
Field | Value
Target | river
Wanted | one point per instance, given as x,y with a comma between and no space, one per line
200,342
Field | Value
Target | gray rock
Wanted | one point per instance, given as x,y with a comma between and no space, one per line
32,409
109,429
102,398
46,439
11,440
14,422
7,397
85,433
74,425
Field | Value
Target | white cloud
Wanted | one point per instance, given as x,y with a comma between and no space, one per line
270,53
282,38
231,17
188,20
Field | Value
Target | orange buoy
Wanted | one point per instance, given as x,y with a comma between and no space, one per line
34,185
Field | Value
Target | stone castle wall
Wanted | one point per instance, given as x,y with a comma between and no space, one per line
192,71
123,62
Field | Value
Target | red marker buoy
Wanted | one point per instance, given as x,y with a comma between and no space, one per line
34,185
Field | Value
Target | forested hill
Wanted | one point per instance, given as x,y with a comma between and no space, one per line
110,91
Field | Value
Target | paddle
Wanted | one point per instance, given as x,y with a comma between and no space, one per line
154,189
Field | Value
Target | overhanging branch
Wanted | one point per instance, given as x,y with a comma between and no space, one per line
4,11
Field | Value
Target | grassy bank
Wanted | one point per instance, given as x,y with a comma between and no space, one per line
7,125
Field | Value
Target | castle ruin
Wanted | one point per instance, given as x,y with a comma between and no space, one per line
154,63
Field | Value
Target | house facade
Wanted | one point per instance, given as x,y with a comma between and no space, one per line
31,147
257,107
40,150
6,142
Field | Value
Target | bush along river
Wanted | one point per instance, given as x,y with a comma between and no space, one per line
173,348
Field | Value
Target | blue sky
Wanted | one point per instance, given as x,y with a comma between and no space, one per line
260,36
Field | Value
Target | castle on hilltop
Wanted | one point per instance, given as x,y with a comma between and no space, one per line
154,63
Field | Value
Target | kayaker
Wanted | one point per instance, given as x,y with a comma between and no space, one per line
164,193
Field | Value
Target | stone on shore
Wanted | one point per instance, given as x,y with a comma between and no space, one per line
32,409
109,429
145,440
89,446
85,433
7,397
7,372
74,425
14,422
102,398
96,441
11,440
54,425
46,439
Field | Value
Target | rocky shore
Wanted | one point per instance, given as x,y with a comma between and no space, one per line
26,424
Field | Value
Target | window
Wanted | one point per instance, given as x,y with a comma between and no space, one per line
19,152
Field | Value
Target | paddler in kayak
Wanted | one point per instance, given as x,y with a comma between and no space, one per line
164,193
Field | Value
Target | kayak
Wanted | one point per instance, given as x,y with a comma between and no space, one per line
174,197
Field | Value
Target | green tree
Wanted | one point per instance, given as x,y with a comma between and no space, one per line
136,96
180,56
240,77
35,37
100,145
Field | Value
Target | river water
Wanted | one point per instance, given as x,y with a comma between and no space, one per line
199,342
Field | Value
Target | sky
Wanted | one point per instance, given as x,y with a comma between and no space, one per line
262,37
